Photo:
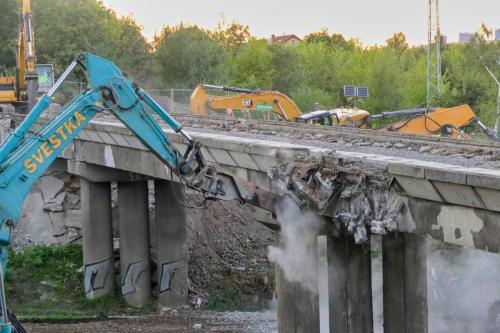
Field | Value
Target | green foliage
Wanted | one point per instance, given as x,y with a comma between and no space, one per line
46,282
8,34
324,37
307,97
252,66
186,56
289,72
313,71
226,300
397,41
63,28
231,35
53,267
239,291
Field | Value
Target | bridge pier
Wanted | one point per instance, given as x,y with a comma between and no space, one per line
343,301
405,283
171,243
345,270
97,232
135,264
297,306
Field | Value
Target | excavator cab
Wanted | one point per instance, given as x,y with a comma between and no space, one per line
341,117
45,77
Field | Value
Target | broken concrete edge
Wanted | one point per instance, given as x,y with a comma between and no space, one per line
363,204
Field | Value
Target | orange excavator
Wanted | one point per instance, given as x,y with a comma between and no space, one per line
436,121
423,121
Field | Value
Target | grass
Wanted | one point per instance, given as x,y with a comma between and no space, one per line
238,292
46,283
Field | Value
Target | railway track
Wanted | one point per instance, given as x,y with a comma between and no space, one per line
342,133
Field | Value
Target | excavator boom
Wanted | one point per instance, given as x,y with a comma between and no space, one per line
21,89
25,157
440,121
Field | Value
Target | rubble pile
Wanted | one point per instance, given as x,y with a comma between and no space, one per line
358,200
51,212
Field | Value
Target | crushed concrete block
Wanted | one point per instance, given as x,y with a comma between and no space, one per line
35,223
58,223
55,204
50,187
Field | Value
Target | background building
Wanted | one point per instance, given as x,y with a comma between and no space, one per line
288,39
465,37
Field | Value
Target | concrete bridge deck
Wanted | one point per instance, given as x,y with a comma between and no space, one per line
449,202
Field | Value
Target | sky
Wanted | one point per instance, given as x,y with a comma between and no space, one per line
373,21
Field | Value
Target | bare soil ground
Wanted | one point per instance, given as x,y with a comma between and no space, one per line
228,255
252,322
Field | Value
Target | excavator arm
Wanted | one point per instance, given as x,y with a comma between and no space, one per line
245,99
24,158
27,77
439,121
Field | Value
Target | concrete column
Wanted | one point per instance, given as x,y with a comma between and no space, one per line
135,262
97,238
323,285
404,259
171,247
297,306
349,285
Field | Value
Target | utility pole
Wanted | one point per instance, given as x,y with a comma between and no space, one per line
497,81
434,76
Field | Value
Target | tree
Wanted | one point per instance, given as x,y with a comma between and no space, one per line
289,73
397,41
63,28
251,66
8,34
384,81
307,97
231,35
323,36
187,57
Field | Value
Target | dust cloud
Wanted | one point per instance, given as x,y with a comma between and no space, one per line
463,290
297,253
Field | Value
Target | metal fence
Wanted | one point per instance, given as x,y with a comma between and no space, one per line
173,100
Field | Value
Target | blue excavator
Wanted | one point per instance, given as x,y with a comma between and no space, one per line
25,155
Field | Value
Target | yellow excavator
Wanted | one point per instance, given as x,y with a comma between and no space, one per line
201,103
21,90
423,121
248,100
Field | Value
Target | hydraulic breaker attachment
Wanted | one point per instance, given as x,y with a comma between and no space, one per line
221,186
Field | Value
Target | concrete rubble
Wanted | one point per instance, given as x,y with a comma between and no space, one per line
51,212
359,201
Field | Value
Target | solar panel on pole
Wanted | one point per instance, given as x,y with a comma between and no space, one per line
350,91
363,92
